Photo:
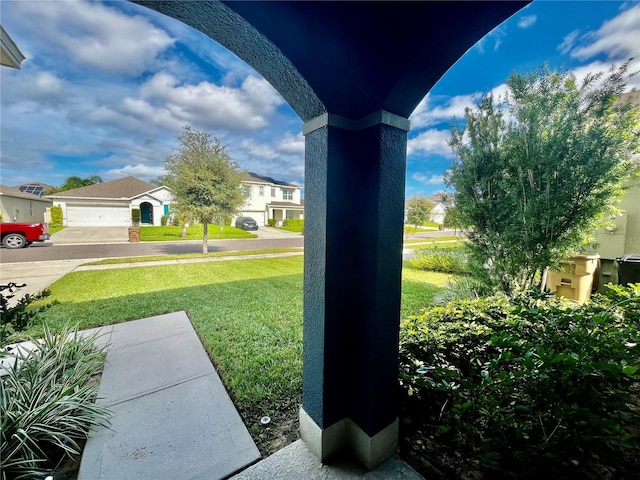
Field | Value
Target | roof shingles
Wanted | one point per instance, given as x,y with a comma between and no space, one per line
127,187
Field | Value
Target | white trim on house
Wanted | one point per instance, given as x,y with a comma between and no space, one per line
10,54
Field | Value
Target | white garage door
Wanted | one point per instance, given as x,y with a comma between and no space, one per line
258,217
97,216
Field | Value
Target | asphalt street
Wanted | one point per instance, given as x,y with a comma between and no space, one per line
48,251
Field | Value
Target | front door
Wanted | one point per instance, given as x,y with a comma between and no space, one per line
146,213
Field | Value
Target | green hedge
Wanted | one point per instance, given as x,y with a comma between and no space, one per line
135,216
438,259
56,215
293,223
525,388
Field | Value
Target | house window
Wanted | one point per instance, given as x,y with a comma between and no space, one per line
31,209
261,190
290,215
273,191
246,191
287,194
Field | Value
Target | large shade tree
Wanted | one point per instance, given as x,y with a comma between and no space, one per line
536,168
419,210
206,181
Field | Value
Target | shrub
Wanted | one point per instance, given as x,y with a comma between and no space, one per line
293,222
272,222
163,221
135,216
440,260
525,387
56,215
47,404
17,318
460,287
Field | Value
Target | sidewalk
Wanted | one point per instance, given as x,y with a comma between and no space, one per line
171,415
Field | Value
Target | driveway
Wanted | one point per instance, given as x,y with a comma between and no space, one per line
90,235
271,232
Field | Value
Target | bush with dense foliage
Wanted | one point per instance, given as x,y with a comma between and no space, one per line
293,222
525,387
535,169
438,259
47,404
56,215
135,216
16,318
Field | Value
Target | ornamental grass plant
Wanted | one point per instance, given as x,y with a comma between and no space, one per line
47,403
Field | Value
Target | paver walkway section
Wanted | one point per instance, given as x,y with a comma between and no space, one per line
171,415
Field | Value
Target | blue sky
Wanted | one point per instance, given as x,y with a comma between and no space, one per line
106,87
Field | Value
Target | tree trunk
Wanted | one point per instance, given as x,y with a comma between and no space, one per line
183,234
205,232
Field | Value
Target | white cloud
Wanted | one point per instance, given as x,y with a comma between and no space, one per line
289,145
144,172
527,21
428,178
497,35
43,87
617,39
568,42
427,114
208,105
597,66
430,142
96,35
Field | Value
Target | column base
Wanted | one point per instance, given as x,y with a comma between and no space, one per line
346,435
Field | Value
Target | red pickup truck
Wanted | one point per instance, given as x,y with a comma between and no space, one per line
19,235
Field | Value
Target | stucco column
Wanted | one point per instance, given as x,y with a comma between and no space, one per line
354,201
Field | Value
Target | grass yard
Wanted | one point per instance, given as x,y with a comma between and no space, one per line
247,313
186,256
173,233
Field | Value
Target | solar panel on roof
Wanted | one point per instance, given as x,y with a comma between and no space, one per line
33,189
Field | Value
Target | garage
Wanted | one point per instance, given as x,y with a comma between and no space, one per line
97,216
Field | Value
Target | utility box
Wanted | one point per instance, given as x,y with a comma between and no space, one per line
134,234
628,269
612,235
574,280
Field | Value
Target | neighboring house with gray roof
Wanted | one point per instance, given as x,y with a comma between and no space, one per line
442,203
110,203
17,205
269,198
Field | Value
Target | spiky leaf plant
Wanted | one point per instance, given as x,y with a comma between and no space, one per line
47,403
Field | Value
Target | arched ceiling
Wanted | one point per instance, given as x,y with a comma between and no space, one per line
347,58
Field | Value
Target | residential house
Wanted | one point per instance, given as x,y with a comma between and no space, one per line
620,234
20,204
442,203
268,198
10,54
111,203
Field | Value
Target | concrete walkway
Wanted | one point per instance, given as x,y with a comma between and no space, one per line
171,415
297,462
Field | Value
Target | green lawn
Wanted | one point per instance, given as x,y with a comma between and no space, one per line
248,314
186,256
173,233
